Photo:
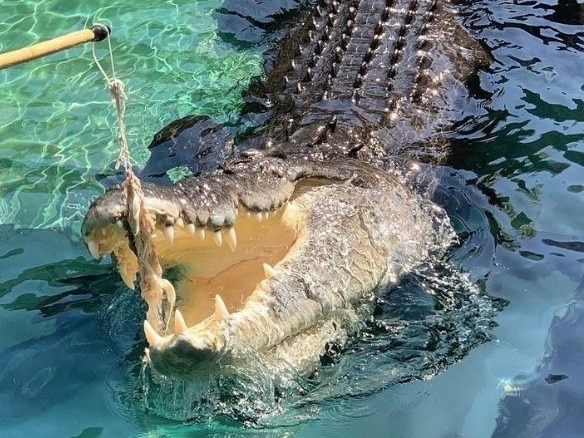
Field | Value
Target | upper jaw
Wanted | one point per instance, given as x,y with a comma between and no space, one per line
346,241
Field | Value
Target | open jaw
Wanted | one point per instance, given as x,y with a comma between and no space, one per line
266,262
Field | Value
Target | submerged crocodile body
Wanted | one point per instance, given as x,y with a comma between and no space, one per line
280,252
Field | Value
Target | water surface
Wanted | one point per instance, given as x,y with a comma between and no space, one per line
67,368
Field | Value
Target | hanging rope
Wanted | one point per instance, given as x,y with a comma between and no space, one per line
156,291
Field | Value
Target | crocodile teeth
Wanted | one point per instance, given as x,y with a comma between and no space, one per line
231,238
259,216
218,238
93,248
180,325
269,272
221,311
169,233
201,233
191,228
119,224
152,337
168,288
127,277
180,222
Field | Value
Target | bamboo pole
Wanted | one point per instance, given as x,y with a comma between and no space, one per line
97,32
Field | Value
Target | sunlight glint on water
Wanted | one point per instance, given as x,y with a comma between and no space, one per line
57,122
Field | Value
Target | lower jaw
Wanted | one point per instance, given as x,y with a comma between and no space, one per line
295,356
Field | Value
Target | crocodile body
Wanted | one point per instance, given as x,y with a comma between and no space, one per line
280,251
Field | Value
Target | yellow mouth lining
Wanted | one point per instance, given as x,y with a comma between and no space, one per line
229,263
209,269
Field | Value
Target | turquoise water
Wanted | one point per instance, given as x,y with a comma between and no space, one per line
58,125
67,368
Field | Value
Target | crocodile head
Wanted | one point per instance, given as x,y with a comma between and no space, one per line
268,256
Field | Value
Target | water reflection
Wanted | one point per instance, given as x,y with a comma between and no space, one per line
527,150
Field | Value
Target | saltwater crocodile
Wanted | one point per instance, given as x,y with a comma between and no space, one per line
280,251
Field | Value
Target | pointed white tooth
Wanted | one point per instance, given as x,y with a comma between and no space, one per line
180,326
152,337
218,238
103,231
269,272
119,224
201,233
180,222
169,233
168,288
191,228
248,214
93,248
221,311
259,216
129,278
231,238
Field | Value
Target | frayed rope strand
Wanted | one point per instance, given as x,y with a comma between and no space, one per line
155,289
117,90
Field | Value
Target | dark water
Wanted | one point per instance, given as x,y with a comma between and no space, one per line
513,187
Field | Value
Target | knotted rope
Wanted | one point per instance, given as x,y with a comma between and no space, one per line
155,289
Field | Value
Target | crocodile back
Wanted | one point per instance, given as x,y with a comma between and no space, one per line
371,79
